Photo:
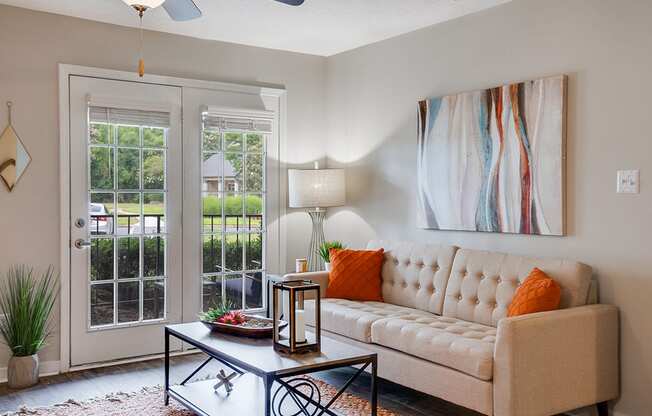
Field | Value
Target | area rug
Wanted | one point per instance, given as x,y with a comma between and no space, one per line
149,402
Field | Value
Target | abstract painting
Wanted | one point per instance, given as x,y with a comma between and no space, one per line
493,160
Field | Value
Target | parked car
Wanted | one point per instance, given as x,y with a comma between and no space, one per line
101,221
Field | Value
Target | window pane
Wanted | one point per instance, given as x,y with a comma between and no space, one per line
233,164
233,210
101,302
128,168
212,172
254,143
100,133
153,137
101,167
233,142
212,253
254,290
128,302
255,177
211,292
212,213
100,213
128,213
154,212
153,256
212,141
128,257
254,211
233,290
154,169
154,299
102,259
254,253
233,252
128,136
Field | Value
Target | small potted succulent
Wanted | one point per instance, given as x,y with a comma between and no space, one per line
26,301
324,252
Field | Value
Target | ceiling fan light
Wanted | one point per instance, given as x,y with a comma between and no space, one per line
148,4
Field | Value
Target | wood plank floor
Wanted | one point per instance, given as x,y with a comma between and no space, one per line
86,384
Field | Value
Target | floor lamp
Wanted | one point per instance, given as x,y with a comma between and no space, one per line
316,189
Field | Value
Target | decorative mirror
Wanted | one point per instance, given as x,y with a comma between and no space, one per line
13,155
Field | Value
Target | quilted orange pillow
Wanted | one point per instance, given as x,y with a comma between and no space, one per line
355,275
537,293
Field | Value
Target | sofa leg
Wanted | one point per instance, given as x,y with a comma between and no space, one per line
603,409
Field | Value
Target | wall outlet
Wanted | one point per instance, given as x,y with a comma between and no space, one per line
628,182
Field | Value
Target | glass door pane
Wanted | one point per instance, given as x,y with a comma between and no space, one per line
233,225
127,193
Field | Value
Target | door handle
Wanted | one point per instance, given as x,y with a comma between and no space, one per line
81,244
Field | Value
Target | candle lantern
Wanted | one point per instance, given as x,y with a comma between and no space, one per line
288,301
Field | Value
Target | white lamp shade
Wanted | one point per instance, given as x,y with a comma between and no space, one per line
316,188
149,4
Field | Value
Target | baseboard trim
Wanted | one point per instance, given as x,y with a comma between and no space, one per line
46,368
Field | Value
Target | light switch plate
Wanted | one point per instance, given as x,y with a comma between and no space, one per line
628,182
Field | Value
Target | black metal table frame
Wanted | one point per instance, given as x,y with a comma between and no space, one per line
278,377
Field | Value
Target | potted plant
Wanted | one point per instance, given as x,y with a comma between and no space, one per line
26,301
324,252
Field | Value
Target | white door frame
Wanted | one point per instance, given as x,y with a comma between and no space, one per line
65,72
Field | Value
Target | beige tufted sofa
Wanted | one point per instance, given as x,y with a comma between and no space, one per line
443,330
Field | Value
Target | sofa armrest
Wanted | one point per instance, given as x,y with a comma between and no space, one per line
321,278
551,362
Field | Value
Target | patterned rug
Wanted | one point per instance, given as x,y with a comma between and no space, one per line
149,402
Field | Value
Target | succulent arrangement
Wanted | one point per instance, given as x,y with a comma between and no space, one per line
225,314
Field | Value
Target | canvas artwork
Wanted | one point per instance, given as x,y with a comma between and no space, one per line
493,160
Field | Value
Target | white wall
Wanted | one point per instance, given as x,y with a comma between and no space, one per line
604,47
31,46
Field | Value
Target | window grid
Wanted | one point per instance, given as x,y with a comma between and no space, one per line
114,234
243,236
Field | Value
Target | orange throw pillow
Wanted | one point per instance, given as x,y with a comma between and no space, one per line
355,275
537,293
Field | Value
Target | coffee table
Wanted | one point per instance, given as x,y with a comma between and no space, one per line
262,381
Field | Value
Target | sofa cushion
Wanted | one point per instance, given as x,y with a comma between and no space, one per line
538,293
482,283
414,274
355,274
352,319
464,346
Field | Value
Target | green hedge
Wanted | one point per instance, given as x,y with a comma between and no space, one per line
233,205
212,253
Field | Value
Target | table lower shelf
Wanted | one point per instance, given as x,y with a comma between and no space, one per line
247,397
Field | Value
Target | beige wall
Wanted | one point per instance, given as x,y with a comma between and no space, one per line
604,47
369,96
31,46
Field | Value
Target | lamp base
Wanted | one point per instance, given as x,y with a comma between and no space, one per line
315,262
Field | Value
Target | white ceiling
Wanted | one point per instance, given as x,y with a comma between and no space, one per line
319,27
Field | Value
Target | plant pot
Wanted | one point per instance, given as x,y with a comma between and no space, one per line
22,371
327,266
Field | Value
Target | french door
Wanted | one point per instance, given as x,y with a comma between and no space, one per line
126,192
168,215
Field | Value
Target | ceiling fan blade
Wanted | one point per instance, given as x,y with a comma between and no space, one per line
292,2
181,10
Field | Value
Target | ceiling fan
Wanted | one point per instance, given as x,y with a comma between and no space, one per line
182,10
179,10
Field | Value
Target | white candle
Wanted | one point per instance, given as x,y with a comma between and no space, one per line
300,326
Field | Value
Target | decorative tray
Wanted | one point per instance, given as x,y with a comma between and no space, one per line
263,327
